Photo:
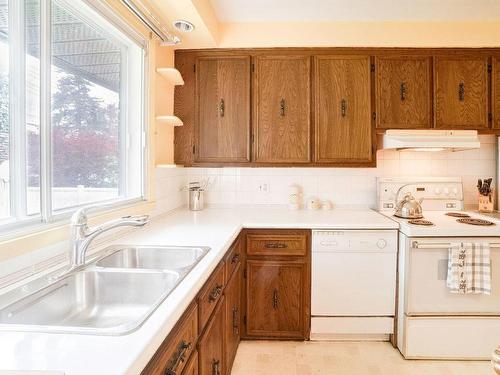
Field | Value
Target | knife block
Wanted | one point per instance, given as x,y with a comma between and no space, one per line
486,202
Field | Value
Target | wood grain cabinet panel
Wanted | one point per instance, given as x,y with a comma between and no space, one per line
222,109
282,109
210,294
343,110
177,347
495,92
232,329
461,92
192,366
403,92
275,299
211,344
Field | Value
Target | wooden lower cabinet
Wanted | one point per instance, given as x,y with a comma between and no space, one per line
192,366
276,299
232,319
211,344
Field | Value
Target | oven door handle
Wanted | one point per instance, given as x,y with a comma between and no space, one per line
441,245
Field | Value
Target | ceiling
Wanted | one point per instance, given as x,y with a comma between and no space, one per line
229,11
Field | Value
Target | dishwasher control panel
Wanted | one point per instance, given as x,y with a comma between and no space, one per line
355,241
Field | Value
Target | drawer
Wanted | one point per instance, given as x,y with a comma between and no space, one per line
177,347
210,295
292,243
233,258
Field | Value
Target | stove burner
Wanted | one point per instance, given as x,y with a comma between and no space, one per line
473,221
421,222
457,214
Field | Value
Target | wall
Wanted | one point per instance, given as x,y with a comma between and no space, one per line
359,34
345,186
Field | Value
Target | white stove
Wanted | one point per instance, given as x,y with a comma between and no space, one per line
432,322
441,196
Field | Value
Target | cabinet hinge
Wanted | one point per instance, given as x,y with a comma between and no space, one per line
244,319
372,67
490,68
194,68
252,138
245,273
194,149
253,67
374,116
490,117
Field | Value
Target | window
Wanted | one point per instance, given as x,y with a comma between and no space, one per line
71,109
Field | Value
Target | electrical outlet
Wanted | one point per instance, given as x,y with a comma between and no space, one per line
263,186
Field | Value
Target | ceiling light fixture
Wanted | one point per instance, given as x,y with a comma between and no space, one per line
184,26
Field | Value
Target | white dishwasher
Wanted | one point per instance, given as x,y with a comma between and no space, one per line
353,284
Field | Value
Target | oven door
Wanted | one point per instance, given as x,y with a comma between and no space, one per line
426,291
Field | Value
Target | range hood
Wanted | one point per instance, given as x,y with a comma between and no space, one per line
430,140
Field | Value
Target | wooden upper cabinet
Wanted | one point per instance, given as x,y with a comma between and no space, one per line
461,92
282,109
495,92
403,92
343,110
222,109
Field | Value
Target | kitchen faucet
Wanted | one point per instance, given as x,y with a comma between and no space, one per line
82,235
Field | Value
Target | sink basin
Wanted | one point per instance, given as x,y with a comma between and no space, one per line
91,301
153,257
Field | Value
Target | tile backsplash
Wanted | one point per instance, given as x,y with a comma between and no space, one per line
342,186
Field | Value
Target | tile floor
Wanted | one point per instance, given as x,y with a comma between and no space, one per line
341,358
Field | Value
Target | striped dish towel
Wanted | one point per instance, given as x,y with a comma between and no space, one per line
469,268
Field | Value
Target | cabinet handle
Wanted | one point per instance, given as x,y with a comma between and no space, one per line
402,90
222,108
282,107
343,107
215,293
215,367
235,321
461,91
275,245
275,299
235,258
180,356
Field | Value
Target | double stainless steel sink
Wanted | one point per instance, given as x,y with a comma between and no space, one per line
112,295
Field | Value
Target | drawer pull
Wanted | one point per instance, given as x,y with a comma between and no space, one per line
215,367
180,356
215,293
276,245
236,328
275,299
235,258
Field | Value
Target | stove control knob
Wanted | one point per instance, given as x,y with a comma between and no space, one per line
446,191
381,243
437,191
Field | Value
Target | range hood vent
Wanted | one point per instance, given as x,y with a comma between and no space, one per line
430,140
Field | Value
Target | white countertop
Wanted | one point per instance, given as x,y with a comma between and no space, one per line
128,354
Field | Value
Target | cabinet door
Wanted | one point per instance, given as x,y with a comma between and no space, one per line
211,344
192,366
495,95
282,109
343,109
403,92
461,92
233,312
275,299
223,109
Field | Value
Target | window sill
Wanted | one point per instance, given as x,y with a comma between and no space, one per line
34,237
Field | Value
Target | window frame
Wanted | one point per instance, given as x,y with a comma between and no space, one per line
124,35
